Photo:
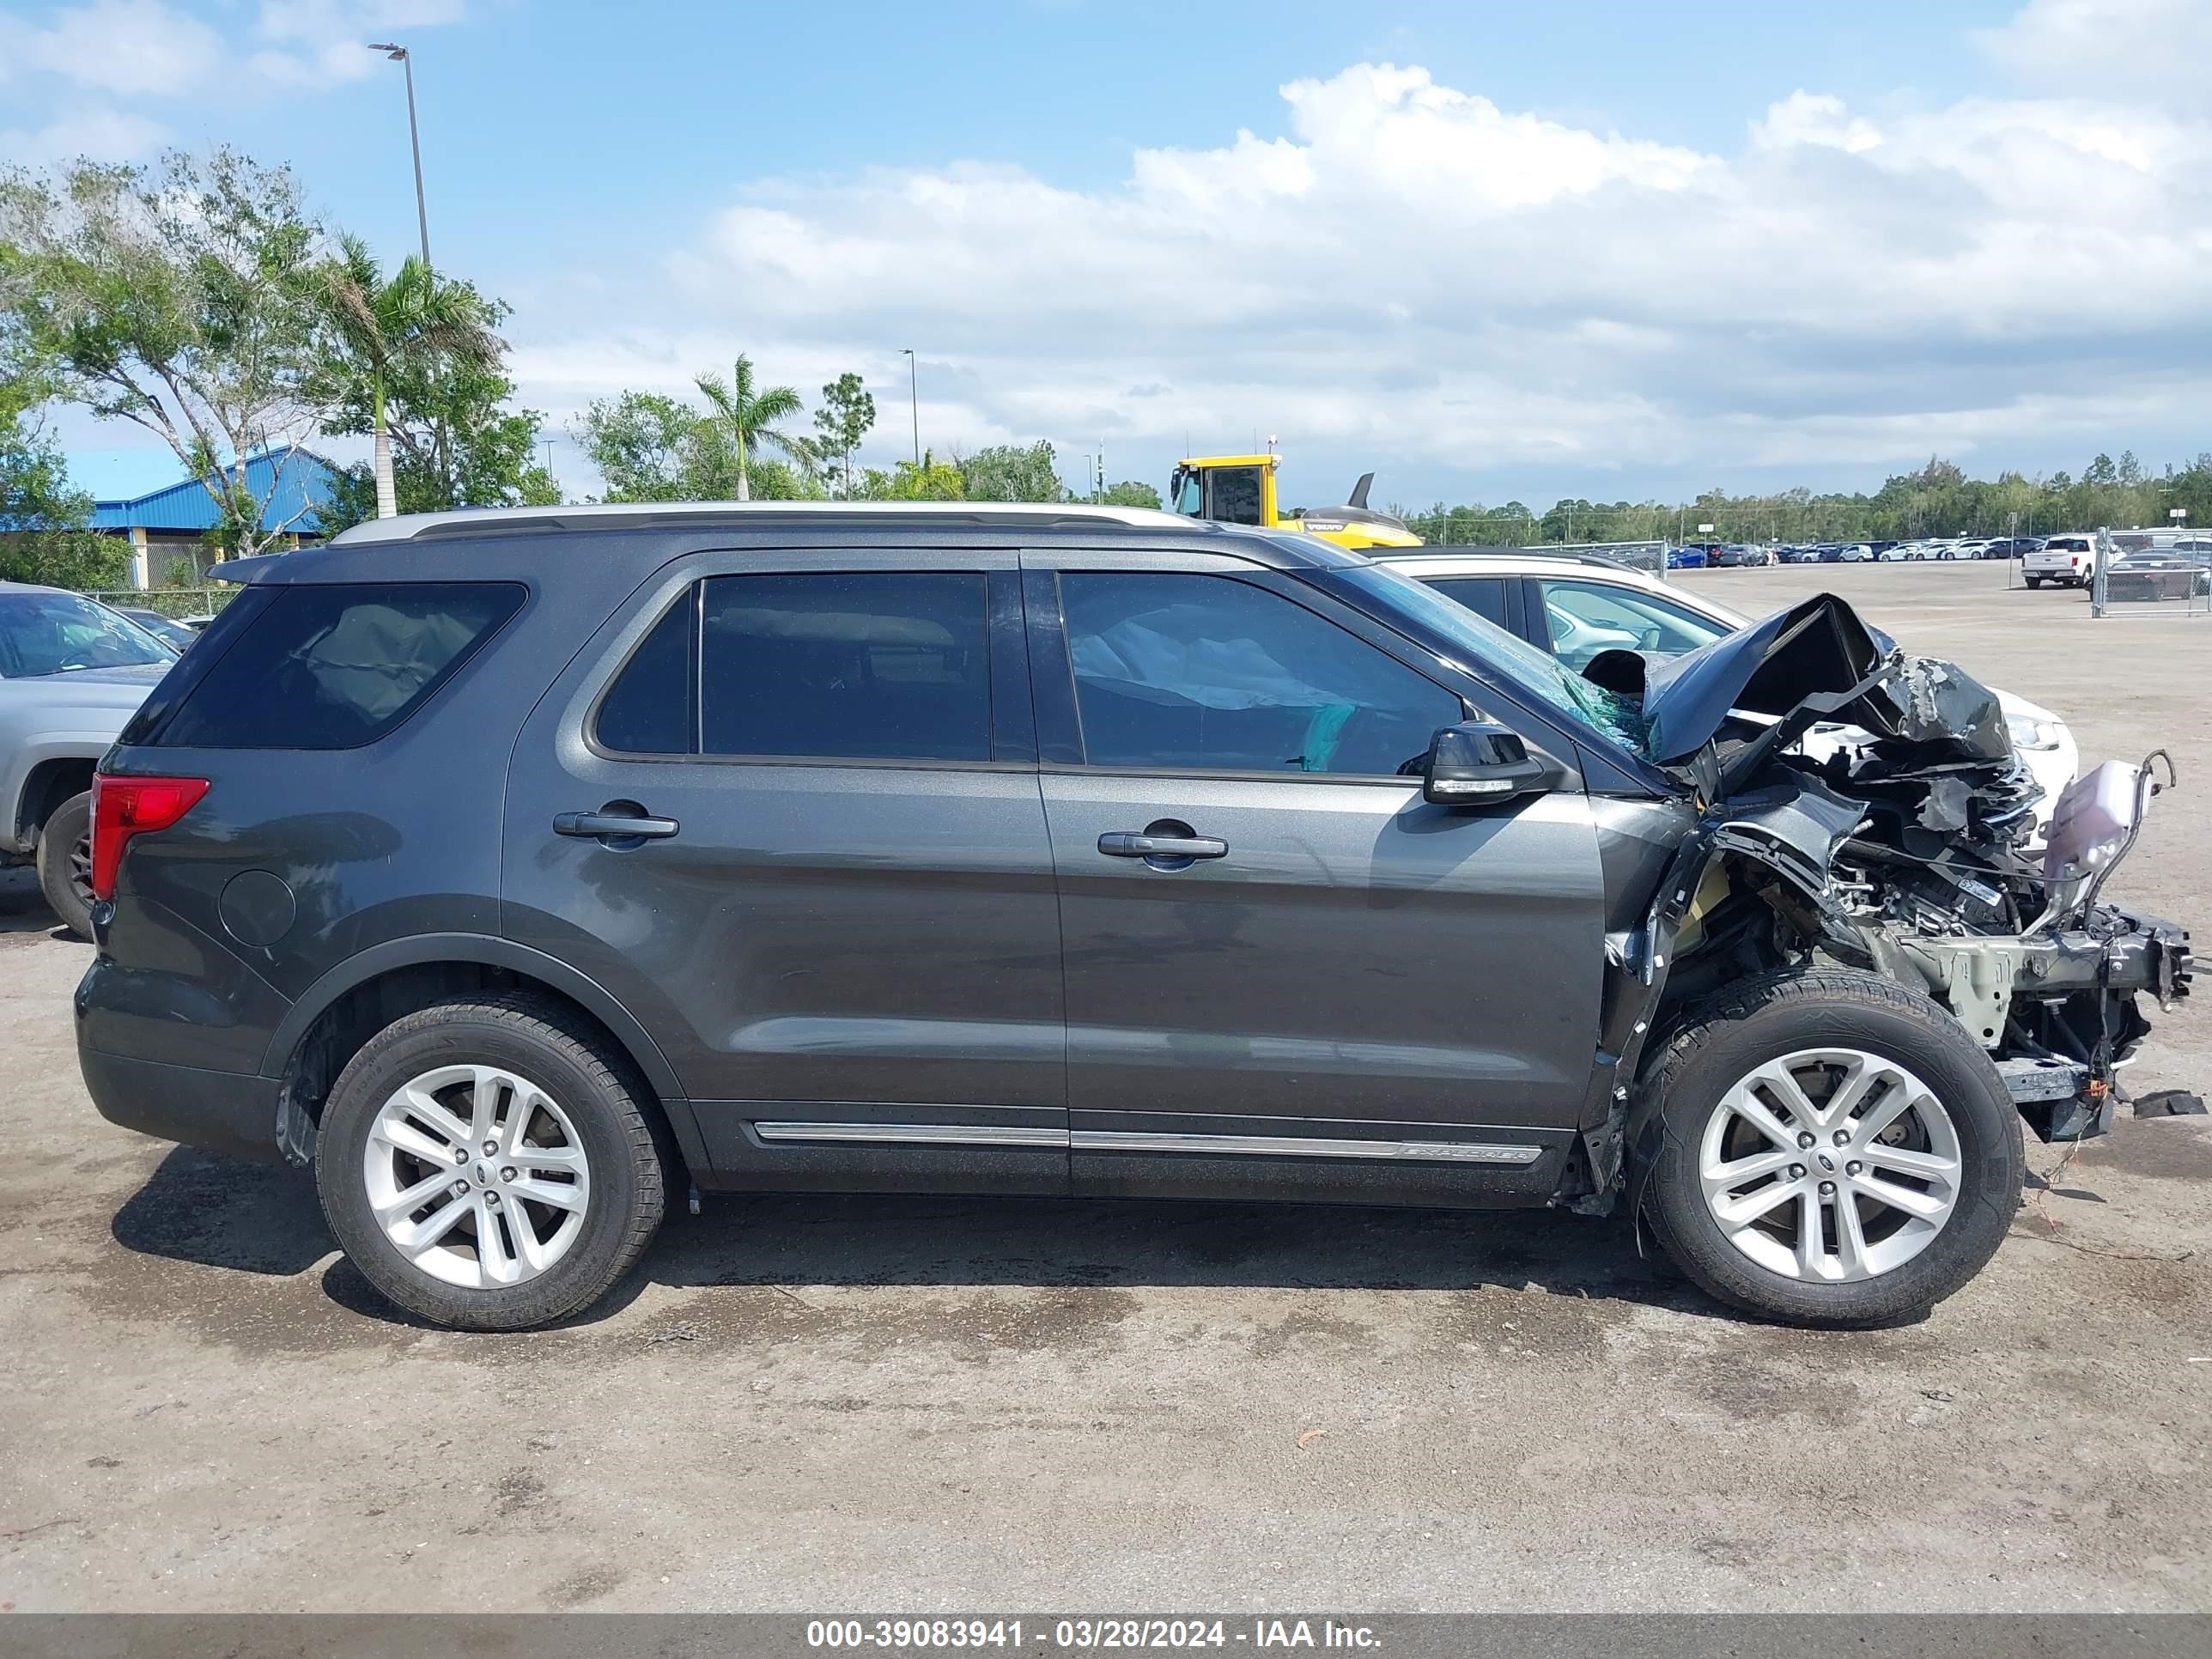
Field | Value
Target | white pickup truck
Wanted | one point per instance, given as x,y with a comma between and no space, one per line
2070,560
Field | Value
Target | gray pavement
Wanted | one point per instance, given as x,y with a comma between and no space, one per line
929,1404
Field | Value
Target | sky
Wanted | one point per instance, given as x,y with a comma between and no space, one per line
1486,252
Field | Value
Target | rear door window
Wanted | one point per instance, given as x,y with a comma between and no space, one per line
336,666
858,665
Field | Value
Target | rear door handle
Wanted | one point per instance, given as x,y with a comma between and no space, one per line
1129,844
614,826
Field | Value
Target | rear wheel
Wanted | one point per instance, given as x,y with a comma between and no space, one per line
2035,581
1837,1151
65,863
488,1166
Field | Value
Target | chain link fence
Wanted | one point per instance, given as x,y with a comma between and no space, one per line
2152,572
178,603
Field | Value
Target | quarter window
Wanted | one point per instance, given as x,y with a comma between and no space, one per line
337,665
1484,595
1179,672
863,665
652,709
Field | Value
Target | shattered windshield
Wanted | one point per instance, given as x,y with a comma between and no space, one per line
1490,650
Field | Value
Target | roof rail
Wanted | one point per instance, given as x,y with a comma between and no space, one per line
1393,555
643,514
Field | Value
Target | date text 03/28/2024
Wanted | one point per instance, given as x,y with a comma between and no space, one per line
1086,1634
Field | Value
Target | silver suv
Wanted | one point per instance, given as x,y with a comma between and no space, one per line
72,672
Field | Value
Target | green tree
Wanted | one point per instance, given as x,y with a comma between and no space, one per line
933,480
747,415
847,413
182,297
1130,492
640,443
45,533
1011,472
416,327
647,447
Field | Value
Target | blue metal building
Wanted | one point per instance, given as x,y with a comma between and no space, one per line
169,524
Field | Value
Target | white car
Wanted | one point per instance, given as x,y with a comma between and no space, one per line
1575,608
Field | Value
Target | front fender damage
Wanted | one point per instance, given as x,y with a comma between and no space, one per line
1905,852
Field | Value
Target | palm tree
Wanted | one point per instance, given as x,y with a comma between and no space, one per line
747,415
380,327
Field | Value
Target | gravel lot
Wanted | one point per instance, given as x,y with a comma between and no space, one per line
910,1405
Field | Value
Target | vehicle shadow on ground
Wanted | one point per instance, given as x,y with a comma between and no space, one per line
259,1218
219,1212
24,910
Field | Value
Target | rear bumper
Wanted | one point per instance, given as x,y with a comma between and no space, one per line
216,1111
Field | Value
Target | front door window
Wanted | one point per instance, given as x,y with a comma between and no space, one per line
1207,673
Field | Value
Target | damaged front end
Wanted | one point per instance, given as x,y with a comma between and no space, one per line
1902,852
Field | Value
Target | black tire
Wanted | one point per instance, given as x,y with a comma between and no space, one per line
2034,581
1720,1042
628,1159
65,863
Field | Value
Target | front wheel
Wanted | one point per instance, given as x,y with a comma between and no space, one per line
1837,1150
65,863
488,1164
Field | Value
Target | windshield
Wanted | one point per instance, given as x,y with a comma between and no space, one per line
60,633
1490,651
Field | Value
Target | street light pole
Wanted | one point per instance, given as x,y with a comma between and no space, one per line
913,398
399,54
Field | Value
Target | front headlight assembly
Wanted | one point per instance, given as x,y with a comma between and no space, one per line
2029,733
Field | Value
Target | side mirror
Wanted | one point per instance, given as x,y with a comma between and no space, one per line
1476,763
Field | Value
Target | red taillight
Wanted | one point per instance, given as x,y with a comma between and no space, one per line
123,807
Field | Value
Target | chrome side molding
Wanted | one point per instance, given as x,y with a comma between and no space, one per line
1140,1140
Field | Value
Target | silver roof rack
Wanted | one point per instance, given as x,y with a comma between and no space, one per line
408,526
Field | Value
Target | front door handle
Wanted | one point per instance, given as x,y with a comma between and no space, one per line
614,826
1129,844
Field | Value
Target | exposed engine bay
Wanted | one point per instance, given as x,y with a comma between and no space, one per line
1918,847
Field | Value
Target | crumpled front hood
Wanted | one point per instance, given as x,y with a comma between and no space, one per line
1807,656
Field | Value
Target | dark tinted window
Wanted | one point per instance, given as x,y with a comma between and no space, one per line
337,665
1238,494
1211,673
1484,595
648,709
866,666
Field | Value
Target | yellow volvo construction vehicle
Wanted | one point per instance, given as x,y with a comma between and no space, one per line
1241,490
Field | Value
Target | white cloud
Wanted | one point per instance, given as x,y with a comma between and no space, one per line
132,47
318,42
105,134
2133,50
150,49
1805,118
1409,276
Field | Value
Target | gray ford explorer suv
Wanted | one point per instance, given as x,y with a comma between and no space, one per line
518,870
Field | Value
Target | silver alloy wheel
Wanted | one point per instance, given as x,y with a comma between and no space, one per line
1830,1165
477,1176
